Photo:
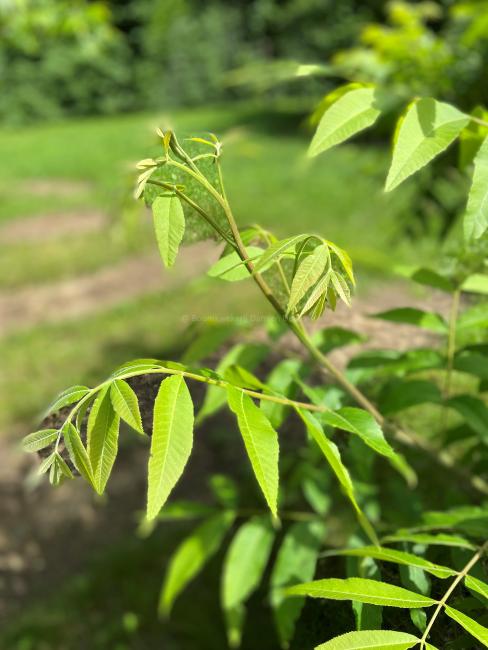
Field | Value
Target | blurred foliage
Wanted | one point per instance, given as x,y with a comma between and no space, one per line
425,48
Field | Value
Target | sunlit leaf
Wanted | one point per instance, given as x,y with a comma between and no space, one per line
171,441
307,274
261,442
398,557
102,438
427,129
232,268
274,252
371,640
39,440
125,404
477,630
477,585
78,454
362,590
67,397
354,111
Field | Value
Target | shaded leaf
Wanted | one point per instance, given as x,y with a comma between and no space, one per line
398,395
246,561
191,556
411,316
333,457
430,540
296,561
474,411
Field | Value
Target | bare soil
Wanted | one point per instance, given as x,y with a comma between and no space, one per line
47,227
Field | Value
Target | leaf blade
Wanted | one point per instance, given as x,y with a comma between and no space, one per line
169,226
125,404
171,441
371,640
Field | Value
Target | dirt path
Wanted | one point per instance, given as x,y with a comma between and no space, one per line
70,299
46,227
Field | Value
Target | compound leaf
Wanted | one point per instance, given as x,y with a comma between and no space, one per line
307,274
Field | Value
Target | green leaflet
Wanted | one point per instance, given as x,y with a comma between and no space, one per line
246,560
39,440
261,442
317,292
232,268
125,404
472,363
362,590
169,225
136,365
332,455
411,316
476,217
102,438
427,129
274,252
78,453
243,569
430,540
476,283
344,259
171,441
59,470
365,426
67,397
190,557
399,557
352,112
296,560
475,629
371,640
476,585
307,274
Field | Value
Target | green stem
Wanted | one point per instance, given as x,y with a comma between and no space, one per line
462,574
478,120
